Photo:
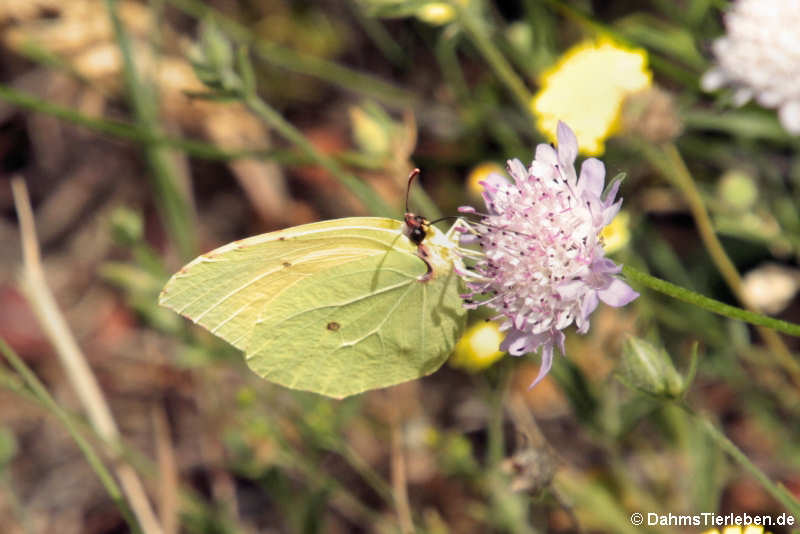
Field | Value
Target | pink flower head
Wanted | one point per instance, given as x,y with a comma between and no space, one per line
541,263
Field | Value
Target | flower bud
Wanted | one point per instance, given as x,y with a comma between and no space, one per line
213,59
127,227
649,369
651,114
738,190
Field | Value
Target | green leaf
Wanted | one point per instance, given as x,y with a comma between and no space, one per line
335,307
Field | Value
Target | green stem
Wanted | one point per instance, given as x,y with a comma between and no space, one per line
380,36
776,490
300,63
476,30
126,130
715,306
203,150
194,148
41,395
744,123
365,471
371,201
173,204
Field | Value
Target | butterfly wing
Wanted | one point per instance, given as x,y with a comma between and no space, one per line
335,307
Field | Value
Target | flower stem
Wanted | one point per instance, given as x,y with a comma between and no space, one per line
476,30
172,193
371,201
776,490
39,393
726,310
133,132
77,370
309,65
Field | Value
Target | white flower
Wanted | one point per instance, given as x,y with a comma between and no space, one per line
771,287
542,266
760,57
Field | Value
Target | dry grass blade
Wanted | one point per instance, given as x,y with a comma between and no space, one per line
77,369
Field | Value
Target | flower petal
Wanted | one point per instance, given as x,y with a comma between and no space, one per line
789,115
741,96
610,212
612,193
516,343
588,305
544,367
567,145
617,294
546,154
571,289
713,79
593,175
517,171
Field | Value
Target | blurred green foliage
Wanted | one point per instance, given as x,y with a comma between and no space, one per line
343,85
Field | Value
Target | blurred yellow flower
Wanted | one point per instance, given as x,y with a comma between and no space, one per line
478,348
586,88
617,234
436,13
750,529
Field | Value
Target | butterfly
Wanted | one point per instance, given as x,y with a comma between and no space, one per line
336,307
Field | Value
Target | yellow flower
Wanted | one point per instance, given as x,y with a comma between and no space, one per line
478,348
617,234
586,88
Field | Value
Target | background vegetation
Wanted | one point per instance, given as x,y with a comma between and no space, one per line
145,137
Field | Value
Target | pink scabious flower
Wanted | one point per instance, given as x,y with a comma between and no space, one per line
541,263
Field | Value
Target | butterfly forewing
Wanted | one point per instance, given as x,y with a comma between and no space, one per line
227,289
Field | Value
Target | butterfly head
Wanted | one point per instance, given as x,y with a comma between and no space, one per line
416,228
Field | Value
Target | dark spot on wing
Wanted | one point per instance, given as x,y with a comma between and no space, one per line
287,264
333,326
281,238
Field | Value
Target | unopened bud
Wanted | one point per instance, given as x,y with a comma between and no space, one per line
649,368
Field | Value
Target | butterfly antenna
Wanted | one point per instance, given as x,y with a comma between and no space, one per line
445,218
413,174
